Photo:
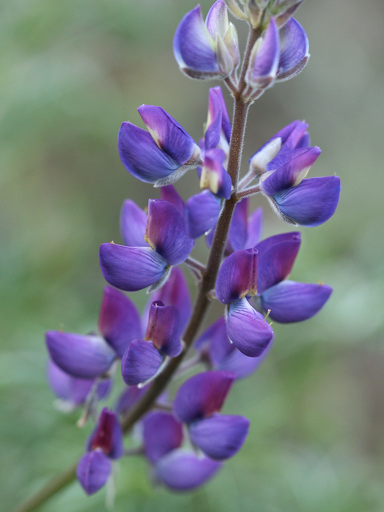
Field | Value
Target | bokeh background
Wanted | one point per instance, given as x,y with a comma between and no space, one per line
70,72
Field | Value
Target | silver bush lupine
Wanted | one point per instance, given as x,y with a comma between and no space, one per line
186,439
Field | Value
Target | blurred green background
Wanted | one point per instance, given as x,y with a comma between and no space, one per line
70,73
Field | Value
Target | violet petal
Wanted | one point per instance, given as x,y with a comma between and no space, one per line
201,213
140,362
133,221
294,50
161,434
164,328
93,471
237,276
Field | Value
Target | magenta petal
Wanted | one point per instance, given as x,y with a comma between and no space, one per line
161,434
164,328
128,398
131,268
93,471
193,47
166,232
238,230
175,292
107,435
201,213
255,227
202,395
142,157
294,50
140,362
277,255
133,221
237,276
170,194
219,436
85,357
247,329
119,320
294,302
183,471
311,203
167,133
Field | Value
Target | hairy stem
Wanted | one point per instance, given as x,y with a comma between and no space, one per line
203,299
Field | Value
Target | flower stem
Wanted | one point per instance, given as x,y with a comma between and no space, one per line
203,301
251,191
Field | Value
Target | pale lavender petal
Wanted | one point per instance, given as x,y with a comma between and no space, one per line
217,19
193,47
265,61
128,398
133,221
142,157
255,227
66,387
131,268
214,176
107,435
201,213
167,233
85,357
119,320
183,471
162,433
277,255
294,50
164,328
202,395
237,276
238,231
167,133
170,194
140,362
312,202
247,329
93,471
241,365
294,302
175,292
219,436
292,172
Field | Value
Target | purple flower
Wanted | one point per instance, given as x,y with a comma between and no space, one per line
238,277
207,50
143,358
197,404
214,344
104,444
278,55
91,356
288,301
135,268
71,391
161,155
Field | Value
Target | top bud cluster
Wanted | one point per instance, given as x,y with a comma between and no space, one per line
186,440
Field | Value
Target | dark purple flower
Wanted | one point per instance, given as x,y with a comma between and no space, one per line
88,357
197,402
135,268
161,155
104,444
223,355
206,50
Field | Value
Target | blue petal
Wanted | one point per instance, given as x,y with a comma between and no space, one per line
312,202
264,63
247,329
170,194
133,221
294,302
219,436
238,230
93,471
194,48
140,362
201,213
183,471
131,268
85,357
294,50
237,276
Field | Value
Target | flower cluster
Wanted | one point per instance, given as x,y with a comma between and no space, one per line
184,436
